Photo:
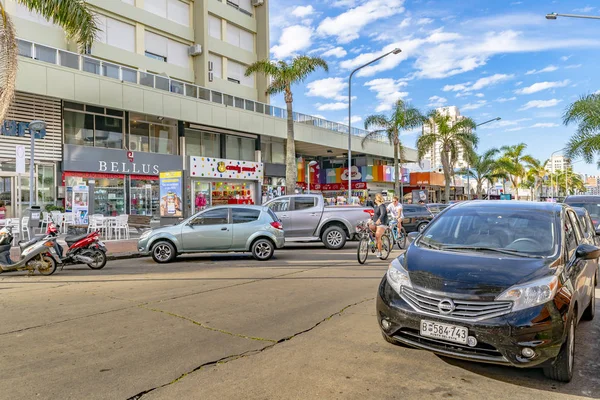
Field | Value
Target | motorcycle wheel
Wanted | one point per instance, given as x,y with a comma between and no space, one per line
46,266
99,259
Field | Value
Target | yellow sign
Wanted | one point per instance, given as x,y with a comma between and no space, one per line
221,167
171,174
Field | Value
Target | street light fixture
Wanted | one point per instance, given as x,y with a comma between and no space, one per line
469,164
34,126
310,164
395,51
554,16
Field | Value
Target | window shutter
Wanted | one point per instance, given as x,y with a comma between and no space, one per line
214,27
156,44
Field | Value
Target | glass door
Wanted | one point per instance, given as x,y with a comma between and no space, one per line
202,196
6,197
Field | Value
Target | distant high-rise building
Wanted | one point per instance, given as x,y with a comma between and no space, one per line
558,163
434,156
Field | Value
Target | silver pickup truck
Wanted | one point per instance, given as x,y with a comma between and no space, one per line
305,218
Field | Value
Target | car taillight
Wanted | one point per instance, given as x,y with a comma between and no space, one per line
277,225
370,212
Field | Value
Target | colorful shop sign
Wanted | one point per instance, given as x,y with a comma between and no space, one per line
373,173
334,186
171,187
205,167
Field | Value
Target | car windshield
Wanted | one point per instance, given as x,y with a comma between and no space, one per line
527,232
592,208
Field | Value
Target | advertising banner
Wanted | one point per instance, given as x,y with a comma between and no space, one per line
171,187
206,167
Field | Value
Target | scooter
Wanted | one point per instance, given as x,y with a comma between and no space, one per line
83,249
37,254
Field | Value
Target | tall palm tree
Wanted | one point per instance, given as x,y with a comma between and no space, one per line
585,142
450,138
404,117
482,168
74,16
537,172
513,161
568,182
282,76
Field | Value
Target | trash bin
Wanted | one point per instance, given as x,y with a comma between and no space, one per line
34,214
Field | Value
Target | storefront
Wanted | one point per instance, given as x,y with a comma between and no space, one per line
217,181
273,184
125,182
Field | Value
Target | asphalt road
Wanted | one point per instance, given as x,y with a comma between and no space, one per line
301,326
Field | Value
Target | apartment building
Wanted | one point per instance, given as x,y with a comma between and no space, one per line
434,156
161,89
558,163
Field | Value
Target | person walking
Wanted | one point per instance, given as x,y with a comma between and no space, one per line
369,202
379,221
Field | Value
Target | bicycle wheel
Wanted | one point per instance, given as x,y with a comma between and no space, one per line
362,250
386,247
402,239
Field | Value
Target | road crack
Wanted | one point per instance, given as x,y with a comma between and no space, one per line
233,357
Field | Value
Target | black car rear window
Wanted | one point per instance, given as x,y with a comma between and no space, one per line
592,208
244,215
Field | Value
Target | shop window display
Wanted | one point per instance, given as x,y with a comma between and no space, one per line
232,193
144,197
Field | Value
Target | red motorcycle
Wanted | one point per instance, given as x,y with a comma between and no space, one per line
83,249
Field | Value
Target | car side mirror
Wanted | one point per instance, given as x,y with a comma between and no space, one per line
587,252
597,232
413,236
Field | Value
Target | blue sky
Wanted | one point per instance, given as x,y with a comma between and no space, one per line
498,58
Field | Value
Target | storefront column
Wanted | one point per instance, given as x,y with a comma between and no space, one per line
91,191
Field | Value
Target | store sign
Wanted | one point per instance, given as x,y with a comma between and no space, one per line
205,167
171,188
16,128
334,186
111,161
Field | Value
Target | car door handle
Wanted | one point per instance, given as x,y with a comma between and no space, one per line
224,229
314,214
284,216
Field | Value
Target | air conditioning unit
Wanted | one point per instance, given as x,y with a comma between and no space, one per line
258,3
195,50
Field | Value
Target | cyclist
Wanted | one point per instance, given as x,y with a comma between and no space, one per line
379,221
396,213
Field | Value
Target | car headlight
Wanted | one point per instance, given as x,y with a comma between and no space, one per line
145,235
397,276
531,294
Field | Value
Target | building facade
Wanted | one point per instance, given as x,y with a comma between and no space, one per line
558,163
161,89
434,156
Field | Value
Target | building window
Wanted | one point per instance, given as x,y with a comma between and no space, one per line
272,150
164,49
240,148
244,6
93,126
203,144
174,10
214,27
152,134
217,62
23,12
115,33
240,38
235,73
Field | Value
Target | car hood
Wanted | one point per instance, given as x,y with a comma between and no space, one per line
481,275
166,229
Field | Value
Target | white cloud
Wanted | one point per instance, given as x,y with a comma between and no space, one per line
519,83
474,106
540,104
479,95
437,101
329,88
544,125
549,68
424,21
388,92
573,66
538,87
337,52
346,27
355,119
405,22
514,129
584,9
303,11
332,106
565,58
479,84
293,39
505,99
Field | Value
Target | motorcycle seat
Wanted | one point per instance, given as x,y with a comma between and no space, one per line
74,239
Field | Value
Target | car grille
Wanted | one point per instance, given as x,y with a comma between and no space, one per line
464,309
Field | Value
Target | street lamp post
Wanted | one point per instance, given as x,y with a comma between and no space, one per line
34,126
553,16
469,163
310,164
395,51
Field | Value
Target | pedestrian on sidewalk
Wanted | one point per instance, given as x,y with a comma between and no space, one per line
370,202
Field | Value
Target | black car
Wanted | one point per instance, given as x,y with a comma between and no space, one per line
494,281
436,208
416,217
590,203
587,227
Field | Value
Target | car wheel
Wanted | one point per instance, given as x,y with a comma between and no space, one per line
590,311
334,238
562,369
163,252
262,249
422,227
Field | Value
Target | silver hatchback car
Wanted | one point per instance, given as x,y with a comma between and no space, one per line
220,229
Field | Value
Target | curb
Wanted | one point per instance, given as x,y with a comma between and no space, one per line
124,256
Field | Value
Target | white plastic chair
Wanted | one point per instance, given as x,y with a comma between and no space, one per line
98,223
15,223
45,221
66,220
121,226
24,228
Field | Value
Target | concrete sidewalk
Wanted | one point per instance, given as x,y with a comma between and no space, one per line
117,249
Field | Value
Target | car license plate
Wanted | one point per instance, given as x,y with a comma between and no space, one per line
450,333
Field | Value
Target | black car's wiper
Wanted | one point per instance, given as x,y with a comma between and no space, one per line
483,248
431,245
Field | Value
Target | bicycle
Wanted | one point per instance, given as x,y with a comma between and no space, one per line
400,238
367,242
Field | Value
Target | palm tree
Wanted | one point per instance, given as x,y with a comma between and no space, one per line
482,167
450,138
513,162
404,117
537,172
74,16
282,76
568,182
585,142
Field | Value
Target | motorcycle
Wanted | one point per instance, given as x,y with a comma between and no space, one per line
37,254
83,249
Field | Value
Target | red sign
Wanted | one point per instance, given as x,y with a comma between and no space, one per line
240,169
